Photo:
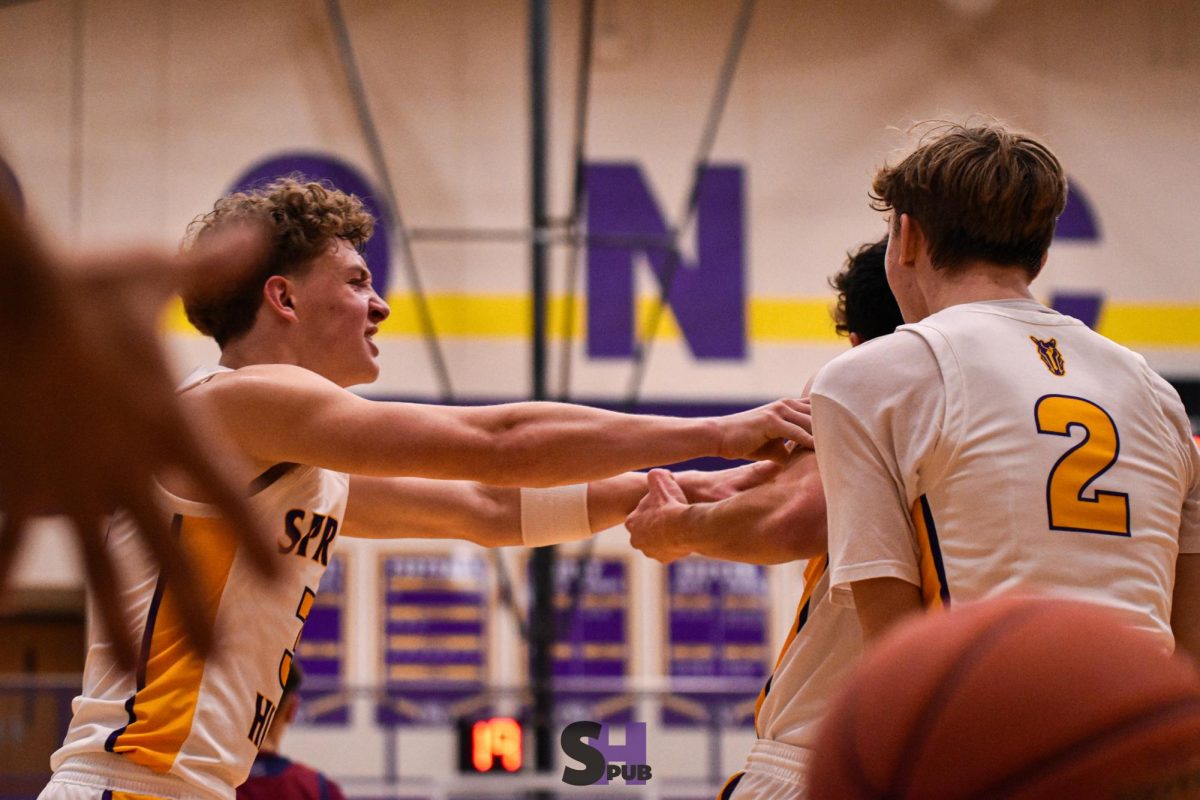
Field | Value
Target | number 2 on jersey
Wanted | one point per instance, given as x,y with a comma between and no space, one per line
1068,508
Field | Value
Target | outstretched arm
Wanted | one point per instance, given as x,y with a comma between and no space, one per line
491,515
285,413
381,508
780,520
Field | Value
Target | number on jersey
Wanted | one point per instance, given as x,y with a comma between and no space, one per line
1072,475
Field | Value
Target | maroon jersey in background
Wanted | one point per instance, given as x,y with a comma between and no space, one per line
274,777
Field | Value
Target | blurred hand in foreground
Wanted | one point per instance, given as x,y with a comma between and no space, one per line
90,415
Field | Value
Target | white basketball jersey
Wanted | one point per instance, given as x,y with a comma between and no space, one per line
824,642
1060,463
193,724
1071,476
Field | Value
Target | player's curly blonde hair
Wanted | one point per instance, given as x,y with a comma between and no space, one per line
979,193
303,219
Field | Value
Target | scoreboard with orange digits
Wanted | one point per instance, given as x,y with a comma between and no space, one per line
490,745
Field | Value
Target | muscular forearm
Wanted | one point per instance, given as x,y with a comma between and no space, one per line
757,528
487,515
546,444
612,499
278,412
770,522
410,508
780,520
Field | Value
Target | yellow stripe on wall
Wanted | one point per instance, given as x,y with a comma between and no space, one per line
783,320
773,320
1151,324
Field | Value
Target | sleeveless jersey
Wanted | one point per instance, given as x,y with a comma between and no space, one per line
1031,453
187,725
825,640
823,644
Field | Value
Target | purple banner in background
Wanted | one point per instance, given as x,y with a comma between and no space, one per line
716,630
434,637
593,645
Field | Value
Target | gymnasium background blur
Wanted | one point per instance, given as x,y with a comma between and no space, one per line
123,119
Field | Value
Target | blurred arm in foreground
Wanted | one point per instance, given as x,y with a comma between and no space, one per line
89,415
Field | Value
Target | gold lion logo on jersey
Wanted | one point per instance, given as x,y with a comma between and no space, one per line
1048,351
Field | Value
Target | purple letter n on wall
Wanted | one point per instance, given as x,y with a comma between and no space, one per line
707,296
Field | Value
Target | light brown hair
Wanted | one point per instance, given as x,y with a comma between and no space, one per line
303,219
978,193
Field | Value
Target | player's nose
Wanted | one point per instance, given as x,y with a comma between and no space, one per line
379,310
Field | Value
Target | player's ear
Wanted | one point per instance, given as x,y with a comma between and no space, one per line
855,339
912,239
278,297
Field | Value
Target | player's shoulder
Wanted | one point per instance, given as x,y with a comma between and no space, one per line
900,355
252,391
978,316
257,378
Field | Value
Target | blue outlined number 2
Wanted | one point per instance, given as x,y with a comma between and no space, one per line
1073,474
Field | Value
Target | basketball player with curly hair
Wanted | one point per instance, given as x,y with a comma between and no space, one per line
321,463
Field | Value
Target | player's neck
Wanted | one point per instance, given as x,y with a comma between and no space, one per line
974,283
270,745
252,349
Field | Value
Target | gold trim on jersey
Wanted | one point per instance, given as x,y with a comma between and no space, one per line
934,591
727,789
170,673
812,574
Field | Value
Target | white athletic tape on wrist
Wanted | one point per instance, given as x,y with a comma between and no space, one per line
555,515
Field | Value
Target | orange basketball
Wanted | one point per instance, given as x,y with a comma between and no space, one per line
1013,698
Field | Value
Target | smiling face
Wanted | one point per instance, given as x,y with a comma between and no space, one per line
339,314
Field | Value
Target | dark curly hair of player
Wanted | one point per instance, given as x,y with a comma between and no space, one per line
865,303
